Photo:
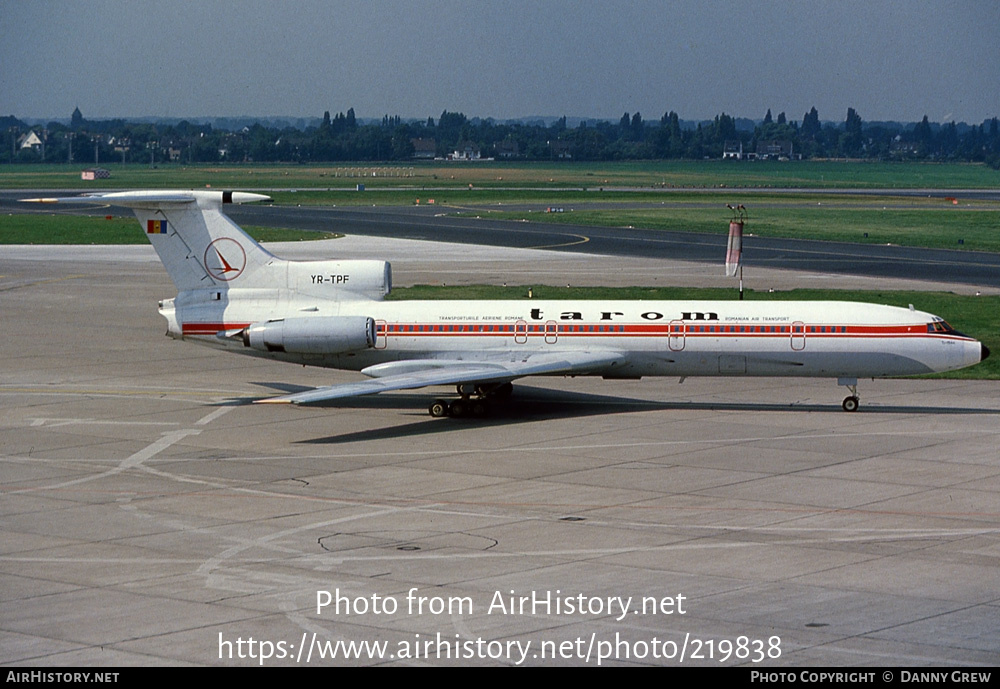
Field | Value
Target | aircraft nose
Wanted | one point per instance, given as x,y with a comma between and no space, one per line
985,352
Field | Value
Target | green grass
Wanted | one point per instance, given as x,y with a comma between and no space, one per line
56,228
438,175
978,317
710,185
907,221
284,234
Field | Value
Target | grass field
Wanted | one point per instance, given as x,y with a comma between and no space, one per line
676,195
57,228
978,317
647,175
921,222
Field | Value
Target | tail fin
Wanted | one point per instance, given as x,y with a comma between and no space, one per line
198,245
201,248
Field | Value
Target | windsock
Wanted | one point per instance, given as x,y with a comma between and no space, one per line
735,247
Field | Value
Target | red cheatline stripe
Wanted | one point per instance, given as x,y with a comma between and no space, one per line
632,330
777,330
664,333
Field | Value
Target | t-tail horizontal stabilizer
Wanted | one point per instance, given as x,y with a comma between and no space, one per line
197,243
202,249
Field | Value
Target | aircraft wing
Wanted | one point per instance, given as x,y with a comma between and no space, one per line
411,374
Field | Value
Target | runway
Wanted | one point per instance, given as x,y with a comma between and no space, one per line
152,516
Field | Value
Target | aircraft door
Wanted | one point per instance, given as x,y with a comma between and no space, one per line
521,332
676,335
798,336
551,332
380,339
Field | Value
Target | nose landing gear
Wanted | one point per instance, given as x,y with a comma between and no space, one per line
852,401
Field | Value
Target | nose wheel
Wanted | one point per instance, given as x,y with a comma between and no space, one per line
852,401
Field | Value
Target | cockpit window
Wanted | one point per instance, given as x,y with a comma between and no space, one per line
941,327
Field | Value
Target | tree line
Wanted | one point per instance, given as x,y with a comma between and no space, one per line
342,137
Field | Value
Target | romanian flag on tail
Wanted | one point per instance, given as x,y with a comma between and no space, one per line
156,227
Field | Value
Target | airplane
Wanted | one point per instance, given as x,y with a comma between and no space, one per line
234,294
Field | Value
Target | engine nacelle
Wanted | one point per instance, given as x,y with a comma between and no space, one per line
320,335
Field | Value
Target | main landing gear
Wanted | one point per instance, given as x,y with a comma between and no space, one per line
852,401
474,401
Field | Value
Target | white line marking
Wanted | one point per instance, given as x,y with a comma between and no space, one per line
208,418
130,462
54,422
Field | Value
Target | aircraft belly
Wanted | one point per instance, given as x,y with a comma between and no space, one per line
847,357
645,358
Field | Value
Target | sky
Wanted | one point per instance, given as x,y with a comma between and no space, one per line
887,59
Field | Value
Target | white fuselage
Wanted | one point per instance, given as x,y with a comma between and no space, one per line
656,338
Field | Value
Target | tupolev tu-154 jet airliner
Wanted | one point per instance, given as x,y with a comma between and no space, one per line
234,294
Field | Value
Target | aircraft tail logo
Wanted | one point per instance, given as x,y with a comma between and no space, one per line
225,259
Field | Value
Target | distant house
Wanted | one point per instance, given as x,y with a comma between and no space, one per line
560,149
92,173
465,150
899,147
733,150
776,149
424,149
30,141
507,148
